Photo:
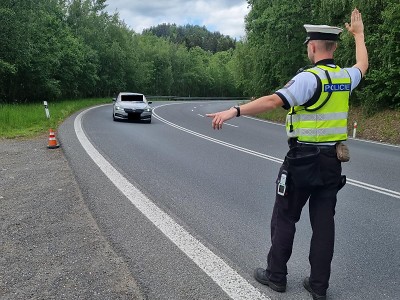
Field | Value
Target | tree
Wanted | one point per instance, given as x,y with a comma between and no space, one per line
274,28
381,88
193,36
221,71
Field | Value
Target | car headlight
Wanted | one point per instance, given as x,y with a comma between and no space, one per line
148,109
118,108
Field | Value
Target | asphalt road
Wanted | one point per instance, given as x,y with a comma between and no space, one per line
218,188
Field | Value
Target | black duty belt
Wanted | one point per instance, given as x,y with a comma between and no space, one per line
316,145
293,142
324,148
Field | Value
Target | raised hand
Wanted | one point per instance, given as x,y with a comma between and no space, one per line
356,25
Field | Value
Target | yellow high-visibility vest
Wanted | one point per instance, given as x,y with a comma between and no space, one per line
326,119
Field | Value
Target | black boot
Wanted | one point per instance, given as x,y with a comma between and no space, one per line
261,276
315,296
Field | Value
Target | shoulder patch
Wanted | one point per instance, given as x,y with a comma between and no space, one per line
287,85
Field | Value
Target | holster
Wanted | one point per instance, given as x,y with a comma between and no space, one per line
342,182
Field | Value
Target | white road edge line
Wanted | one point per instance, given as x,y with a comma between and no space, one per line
353,182
227,278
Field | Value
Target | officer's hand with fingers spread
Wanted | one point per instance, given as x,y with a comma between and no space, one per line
220,117
356,26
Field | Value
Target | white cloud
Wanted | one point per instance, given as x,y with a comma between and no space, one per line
228,20
225,16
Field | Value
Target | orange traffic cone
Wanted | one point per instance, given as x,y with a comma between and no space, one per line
52,140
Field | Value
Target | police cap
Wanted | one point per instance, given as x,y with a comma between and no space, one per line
322,32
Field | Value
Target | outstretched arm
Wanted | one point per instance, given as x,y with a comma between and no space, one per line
263,104
356,27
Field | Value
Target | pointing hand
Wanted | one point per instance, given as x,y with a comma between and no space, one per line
220,117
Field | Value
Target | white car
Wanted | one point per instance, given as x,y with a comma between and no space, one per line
132,107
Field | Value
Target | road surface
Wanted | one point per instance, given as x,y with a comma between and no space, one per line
188,208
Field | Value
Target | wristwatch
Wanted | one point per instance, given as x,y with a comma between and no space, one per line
237,107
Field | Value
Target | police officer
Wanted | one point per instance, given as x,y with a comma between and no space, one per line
317,100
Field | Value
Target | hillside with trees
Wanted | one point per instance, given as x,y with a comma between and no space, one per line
193,36
70,49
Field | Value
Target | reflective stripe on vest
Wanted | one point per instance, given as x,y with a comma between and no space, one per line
326,120
319,117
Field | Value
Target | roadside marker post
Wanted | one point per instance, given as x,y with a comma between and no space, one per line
52,143
354,130
46,109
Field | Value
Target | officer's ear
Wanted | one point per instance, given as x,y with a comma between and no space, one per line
313,46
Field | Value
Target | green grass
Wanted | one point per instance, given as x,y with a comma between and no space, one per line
28,120
277,115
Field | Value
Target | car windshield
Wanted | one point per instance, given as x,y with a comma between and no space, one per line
134,98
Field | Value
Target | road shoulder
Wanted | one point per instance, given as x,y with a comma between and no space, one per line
50,245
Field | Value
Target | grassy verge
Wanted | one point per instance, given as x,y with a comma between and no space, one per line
383,126
27,120
30,119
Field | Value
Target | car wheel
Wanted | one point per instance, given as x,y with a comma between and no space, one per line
114,119
148,121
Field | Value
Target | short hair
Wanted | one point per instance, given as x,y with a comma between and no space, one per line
330,45
326,45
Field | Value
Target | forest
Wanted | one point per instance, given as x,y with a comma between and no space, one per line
72,49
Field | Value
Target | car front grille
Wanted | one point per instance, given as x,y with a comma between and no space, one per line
135,111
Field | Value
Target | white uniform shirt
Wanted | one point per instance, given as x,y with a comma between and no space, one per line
302,87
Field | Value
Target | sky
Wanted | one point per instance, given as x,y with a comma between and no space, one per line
225,16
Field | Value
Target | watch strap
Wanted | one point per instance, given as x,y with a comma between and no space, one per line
237,107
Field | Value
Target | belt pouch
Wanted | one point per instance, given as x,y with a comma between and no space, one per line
342,151
304,166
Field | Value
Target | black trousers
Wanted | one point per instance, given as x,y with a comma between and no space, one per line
286,214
